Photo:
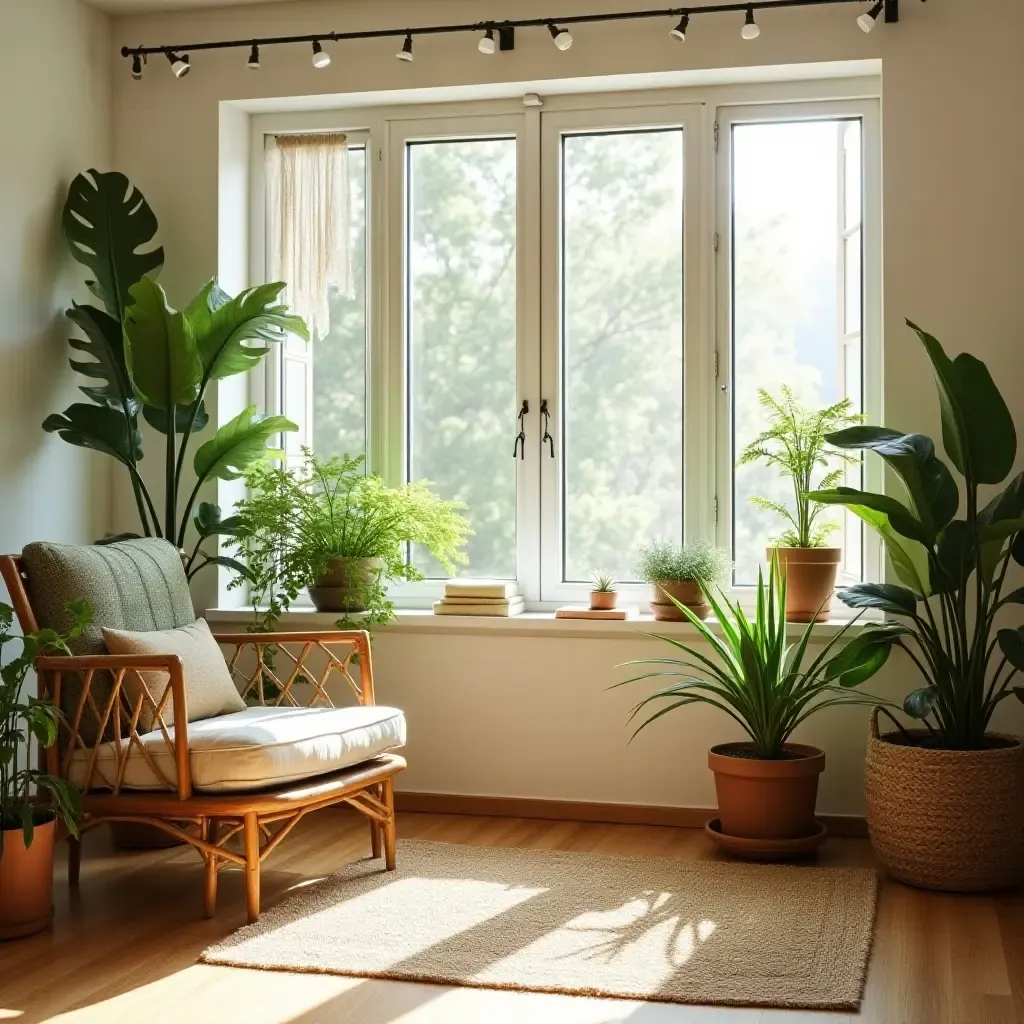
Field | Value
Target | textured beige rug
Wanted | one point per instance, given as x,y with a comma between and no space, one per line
676,931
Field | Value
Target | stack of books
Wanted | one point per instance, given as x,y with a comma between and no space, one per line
481,597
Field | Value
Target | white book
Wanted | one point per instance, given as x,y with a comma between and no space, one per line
513,607
482,588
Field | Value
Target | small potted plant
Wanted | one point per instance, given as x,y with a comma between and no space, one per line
795,443
31,800
604,591
680,575
344,535
767,787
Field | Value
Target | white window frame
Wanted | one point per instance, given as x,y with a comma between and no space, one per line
384,131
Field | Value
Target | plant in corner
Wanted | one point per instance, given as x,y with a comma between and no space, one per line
681,574
603,591
148,359
795,443
767,787
344,535
31,800
946,801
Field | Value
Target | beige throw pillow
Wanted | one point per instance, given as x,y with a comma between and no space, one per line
209,690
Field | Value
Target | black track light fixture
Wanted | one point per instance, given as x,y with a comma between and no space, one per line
180,64
679,32
405,53
750,30
136,67
561,36
486,44
867,21
253,63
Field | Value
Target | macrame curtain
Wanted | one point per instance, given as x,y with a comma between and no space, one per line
308,222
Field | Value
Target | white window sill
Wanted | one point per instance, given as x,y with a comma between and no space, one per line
527,624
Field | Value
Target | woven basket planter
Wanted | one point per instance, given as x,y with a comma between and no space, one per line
947,819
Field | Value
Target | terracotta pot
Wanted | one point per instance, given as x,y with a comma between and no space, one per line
810,575
947,819
761,799
26,881
340,588
686,592
603,600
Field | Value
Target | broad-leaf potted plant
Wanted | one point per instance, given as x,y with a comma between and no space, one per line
945,801
344,535
32,801
146,359
603,591
681,574
767,786
795,443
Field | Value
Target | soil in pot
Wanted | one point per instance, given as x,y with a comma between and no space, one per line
687,592
603,600
946,819
341,588
26,880
810,575
766,799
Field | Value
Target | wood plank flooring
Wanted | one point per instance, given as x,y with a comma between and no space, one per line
124,945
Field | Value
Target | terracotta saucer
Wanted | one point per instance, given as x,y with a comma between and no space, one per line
765,849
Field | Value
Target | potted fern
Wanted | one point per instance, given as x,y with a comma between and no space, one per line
31,801
795,443
680,575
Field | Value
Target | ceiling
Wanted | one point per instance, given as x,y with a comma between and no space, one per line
146,6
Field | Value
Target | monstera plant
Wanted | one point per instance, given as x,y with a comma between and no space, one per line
149,360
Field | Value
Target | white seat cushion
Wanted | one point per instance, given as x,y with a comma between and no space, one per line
254,749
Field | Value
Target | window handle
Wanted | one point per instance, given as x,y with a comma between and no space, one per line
519,448
547,438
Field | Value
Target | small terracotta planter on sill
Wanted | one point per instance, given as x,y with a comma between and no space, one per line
687,592
810,575
603,600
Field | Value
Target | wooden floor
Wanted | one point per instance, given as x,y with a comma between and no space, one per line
124,946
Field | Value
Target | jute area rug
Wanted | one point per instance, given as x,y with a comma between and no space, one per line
667,930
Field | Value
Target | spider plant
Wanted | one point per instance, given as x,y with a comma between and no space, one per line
602,582
755,676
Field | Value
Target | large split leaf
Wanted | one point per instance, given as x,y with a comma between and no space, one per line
109,227
160,350
886,597
100,427
103,341
239,444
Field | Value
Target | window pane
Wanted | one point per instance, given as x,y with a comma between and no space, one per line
339,359
461,255
790,289
851,254
622,338
853,175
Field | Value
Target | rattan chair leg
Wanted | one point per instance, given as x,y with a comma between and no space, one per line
210,875
74,860
375,828
252,865
389,825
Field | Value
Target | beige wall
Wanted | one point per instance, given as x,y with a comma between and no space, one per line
528,716
55,82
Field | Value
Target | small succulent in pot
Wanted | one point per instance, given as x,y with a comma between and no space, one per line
604,591
680,574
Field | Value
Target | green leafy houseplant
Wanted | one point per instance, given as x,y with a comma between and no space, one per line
28,795
952,571
697,560
300,522
148,359
795,442
603,583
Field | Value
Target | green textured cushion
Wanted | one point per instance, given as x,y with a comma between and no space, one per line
137,585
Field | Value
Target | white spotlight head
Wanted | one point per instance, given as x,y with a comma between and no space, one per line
750,30
179,64
136,66
321,58
486,44
679,32
405,53
561,37
867,21
253,64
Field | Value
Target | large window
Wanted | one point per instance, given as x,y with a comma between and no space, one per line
563,318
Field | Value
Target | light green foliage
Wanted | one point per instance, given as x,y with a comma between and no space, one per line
25,721
297,520
953,570
794,443
755,676
698,560
602,582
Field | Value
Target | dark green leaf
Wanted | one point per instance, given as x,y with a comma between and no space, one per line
921,703
875,656
1015,596
1011,643
1018,548
108,226
886,597
862,657
239,444
977,429
956,557
104,343
102,428
240,568
160,350
27,814
899,516
116,538
1019,693
157,418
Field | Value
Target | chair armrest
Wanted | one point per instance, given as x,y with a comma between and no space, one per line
118,665
355,644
